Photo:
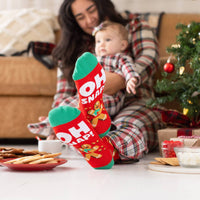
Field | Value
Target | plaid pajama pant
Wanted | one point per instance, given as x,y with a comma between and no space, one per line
136,126
136,130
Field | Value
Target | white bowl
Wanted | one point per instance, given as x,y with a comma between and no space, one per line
188,157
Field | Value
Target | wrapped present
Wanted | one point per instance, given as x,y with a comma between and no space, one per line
188,141
168,133
181,126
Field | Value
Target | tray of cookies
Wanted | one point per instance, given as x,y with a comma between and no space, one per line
11,152
35,162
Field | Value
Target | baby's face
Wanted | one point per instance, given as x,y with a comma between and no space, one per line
108,42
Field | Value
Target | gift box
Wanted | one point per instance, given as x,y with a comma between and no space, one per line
168,133
188,141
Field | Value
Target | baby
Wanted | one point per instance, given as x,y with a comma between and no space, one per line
111,40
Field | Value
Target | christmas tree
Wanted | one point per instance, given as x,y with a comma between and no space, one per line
177,83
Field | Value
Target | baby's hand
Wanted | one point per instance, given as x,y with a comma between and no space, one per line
131,85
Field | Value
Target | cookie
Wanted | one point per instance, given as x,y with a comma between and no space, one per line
9,155
52,155
12,151
171,161
160,160
35,159
18,160
33,152
167,161
41,161
52,161
27,159
156,163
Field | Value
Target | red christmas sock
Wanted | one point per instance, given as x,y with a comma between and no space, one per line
72,128
114,151
89,78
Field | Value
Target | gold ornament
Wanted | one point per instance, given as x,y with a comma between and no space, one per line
181,70
185,111
189,101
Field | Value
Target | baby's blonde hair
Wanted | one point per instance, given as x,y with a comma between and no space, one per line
121,30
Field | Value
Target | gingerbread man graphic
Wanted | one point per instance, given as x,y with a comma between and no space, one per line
97,113
90,151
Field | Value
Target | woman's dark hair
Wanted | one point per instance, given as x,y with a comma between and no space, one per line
74,41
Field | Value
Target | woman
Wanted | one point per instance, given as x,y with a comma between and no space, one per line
135,124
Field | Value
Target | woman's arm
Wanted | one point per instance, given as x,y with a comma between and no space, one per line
114,83
64,89
144,46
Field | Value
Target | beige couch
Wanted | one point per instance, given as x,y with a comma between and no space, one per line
27,86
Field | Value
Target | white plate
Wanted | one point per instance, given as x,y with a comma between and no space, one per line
173,169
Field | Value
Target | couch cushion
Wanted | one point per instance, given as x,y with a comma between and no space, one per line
17,112
19,27
26,76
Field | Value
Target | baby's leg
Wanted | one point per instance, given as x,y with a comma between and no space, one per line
72,128
89,78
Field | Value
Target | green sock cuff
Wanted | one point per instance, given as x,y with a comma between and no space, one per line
108,166
84,65
104,134
62,115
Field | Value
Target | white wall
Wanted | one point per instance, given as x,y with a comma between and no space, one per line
177,6
169,6
17,4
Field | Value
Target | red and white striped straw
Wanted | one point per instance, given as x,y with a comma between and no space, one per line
38,138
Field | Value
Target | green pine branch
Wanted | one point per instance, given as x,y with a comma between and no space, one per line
183,87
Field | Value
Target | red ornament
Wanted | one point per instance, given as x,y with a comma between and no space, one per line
169,67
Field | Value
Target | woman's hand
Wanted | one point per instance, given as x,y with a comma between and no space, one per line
114,83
